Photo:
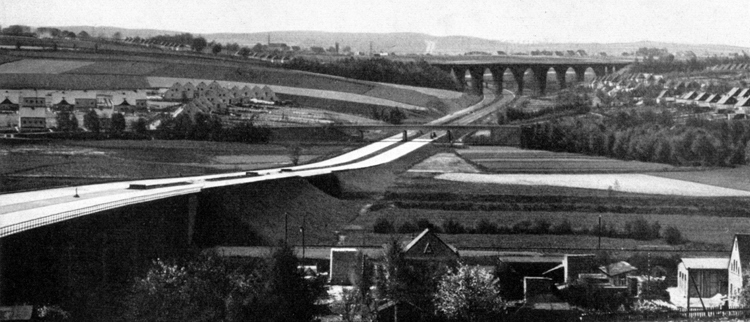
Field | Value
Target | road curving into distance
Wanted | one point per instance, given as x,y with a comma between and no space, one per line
27,210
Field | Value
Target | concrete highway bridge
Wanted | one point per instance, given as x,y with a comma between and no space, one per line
518,66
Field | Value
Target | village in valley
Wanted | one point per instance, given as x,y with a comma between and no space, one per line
389,175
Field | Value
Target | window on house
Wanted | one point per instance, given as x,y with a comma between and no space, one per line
427,249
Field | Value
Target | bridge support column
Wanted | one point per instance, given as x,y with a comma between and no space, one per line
459,76
560,71
599,71
518,75
405,136
580,73
497,76
2,275
477,80
192,212
540,74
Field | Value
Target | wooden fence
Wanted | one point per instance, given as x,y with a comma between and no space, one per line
694,313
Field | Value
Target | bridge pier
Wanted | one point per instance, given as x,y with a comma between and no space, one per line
192,211
459,75
518,75
405,137
580,73
477,79
540,74
599,71
560,72
497,76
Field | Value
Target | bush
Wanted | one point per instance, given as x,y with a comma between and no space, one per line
423,224
540,226
521,227
408,228
563,228
383,226
451,226
484,226
673,236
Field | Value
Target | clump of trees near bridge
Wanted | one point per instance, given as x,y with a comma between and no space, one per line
644,136
418,73
209,288
209,128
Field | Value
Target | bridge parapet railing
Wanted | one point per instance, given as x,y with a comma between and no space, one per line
7,230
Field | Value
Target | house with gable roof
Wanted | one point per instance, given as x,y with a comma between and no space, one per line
739,267
429,247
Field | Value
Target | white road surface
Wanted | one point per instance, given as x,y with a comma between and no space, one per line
27,210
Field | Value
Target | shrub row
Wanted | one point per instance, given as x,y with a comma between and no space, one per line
419,73
638,229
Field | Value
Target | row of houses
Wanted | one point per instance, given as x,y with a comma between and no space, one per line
33,110
221,96
736,100
730,67
158,44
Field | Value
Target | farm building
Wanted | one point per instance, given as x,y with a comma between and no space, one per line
428,247
739,266
344,262
7,105
702,277
618,273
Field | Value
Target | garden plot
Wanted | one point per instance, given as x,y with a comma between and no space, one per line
633,183
41,66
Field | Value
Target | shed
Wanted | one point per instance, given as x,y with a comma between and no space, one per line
702,277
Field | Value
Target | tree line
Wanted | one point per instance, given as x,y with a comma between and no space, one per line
638,229
418,73
206,127
645,136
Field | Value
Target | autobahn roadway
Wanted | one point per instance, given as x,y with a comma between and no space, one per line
27,210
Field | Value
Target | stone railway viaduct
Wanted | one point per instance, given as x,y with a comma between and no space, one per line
518,68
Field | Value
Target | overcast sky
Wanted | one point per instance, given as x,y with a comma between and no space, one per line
683,21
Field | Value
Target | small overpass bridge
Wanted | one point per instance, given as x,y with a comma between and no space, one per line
518,66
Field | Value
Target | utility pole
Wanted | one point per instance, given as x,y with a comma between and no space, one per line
286,228
599,247
302,230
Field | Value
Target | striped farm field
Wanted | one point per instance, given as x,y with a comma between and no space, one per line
515,160
117,68
41,66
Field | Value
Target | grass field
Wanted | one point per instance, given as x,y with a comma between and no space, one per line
72,82
41,66
58,163
704,229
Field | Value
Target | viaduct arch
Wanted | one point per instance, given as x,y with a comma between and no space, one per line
539,70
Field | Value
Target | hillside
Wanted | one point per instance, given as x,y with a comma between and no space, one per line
413,43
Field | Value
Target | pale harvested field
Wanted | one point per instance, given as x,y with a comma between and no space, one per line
634,183
333,95
439,93
445,163
41,66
